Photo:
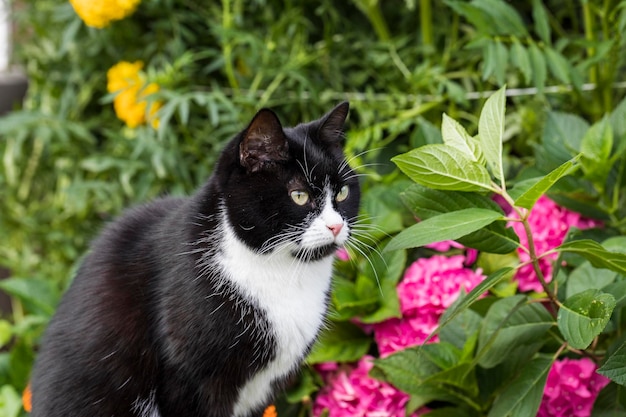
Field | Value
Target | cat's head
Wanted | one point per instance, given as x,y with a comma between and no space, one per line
290,188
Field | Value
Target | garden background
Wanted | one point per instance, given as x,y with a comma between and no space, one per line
132,99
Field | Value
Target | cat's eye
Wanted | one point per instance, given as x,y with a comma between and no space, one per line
343,193
300,197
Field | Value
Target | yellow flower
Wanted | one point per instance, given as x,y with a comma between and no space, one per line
100,13
130,103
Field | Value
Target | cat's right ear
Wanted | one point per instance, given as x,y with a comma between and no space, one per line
264,142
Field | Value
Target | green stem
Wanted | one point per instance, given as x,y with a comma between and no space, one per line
371,9
426,23
535,263
227,49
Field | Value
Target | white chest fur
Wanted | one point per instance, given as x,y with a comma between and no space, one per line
291,293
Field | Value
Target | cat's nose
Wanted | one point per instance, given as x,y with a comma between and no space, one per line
335,228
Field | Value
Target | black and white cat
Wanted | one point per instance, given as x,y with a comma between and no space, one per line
205,306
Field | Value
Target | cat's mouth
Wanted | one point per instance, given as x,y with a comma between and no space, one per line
315,254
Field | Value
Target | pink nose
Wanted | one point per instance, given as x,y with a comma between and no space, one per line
335,228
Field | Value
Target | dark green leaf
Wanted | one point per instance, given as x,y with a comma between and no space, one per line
538,65
615,366
522,397
510,322
558,65
596,254
583,316
542,25
341,342
521,59
586,276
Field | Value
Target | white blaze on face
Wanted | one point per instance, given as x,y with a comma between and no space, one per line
327,228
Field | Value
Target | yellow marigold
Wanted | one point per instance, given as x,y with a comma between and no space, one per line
99,13
130,103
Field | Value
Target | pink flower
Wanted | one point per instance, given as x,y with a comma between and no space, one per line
571,389
430,285
342,254
353,393
446,245
549,224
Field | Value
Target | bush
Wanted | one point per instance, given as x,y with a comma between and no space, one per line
79,152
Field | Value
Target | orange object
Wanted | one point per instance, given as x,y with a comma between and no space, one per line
27,397
270,412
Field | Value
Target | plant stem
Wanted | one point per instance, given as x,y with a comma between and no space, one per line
371,9
426,23
535,263
227,49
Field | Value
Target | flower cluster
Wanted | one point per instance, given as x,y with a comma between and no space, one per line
355,393
549,224
100,13
571,389
130,103
430,285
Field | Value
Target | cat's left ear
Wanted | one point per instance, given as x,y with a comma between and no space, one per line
332,125
264,142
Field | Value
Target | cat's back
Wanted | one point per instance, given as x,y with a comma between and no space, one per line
104,319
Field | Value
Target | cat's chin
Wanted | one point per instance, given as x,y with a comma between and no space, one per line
316,254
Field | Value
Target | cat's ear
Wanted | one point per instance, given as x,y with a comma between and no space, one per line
264,142
332,125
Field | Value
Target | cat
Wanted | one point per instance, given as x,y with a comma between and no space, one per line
207,305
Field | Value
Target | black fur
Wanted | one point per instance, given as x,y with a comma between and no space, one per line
144,317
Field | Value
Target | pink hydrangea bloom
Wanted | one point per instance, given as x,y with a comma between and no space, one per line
430,285
571,389
549,224
353,393
446,245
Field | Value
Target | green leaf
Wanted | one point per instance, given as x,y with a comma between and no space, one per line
341,342
390,267
596,254
491,129
510,322
538,64
443,167
448,226
615,366
596,148
464,302
10,401
523,396
426,203
521,59
583,316
561,139
558,65
586,276
542,25
6,332
455,135
37,294
530,196
405,369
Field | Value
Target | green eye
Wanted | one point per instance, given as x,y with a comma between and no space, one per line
300,197
343,193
